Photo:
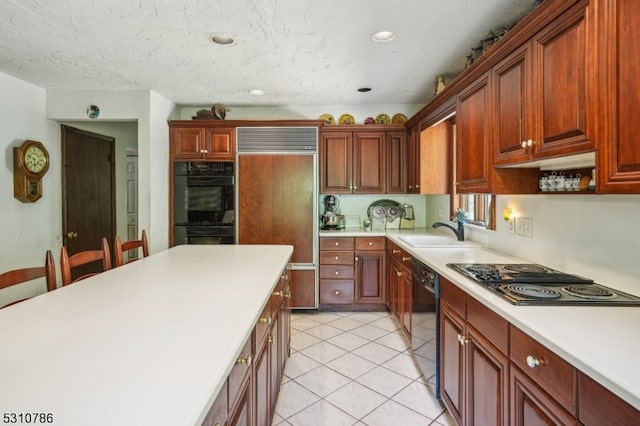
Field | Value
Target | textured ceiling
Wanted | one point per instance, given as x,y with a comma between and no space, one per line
301,52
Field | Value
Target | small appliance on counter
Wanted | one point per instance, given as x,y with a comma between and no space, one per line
331,218
384,214
408,218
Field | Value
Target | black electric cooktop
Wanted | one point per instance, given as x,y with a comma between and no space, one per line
533,284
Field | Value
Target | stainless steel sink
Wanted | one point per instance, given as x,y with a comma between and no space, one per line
420,241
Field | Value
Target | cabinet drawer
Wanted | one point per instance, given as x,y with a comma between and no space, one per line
395,252
553,374
599,406
370,243
454,296
240,370
336,291
336,258
343,243
336,272
491,325
263,324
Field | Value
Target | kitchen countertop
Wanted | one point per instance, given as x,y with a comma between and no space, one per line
151,342
601,341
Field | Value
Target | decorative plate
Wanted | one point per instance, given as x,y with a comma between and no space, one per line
369,120
328,119
399,119
383,119
346,119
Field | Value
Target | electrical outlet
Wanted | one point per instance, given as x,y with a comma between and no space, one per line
512,225
524,226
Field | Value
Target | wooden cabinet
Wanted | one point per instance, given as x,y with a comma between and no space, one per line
336,270
352,272
369,270
369,160
199,142
250,393
473,138
436,151
543,385
619,96
592,397
413,161
541,93
474,362
399,286
397,150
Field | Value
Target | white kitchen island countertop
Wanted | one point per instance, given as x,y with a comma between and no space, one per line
149,343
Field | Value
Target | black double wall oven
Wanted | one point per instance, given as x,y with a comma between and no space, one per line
203,200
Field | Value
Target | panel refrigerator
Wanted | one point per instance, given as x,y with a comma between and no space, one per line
277,199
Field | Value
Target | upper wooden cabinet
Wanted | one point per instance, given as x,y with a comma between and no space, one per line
202,143
362,161
435,158
541,93
473,138
413,160
619,84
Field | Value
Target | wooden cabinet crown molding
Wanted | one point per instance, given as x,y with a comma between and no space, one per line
245,123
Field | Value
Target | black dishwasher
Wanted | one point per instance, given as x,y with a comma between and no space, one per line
425,323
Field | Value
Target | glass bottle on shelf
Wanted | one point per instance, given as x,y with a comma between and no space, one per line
592,182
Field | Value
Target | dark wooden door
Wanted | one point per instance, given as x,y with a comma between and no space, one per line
88,192
413,173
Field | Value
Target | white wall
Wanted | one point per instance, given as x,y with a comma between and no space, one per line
597,236
27,229
151,111
359,112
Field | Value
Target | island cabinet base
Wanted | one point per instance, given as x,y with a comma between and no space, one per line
249,394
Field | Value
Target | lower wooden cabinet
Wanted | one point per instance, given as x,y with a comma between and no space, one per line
250,393
399,286
352,273
492,373
474,372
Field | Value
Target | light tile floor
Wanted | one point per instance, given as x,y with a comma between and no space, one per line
355,369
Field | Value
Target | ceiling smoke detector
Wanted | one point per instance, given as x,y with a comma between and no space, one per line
383,36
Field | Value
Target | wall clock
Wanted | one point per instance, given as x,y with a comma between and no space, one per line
30,163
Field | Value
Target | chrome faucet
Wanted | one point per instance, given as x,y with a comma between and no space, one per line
459,232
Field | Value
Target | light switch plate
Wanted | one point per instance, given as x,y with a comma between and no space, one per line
524,226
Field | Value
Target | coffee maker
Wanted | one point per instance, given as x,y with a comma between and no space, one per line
330,219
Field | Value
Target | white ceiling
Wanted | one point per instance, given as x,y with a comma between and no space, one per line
301,52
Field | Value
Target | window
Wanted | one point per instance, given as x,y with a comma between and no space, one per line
478,207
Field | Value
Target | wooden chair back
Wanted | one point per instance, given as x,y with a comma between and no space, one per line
67,263
121,248
20,276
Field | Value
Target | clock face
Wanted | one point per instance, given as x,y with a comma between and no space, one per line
35,159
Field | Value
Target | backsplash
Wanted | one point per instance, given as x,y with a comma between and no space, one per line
357,205
592,235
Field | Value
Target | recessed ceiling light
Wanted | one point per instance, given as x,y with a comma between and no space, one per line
222,40
364,89
256,92
383,36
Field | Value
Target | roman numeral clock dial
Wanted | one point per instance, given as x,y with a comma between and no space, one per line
30,163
